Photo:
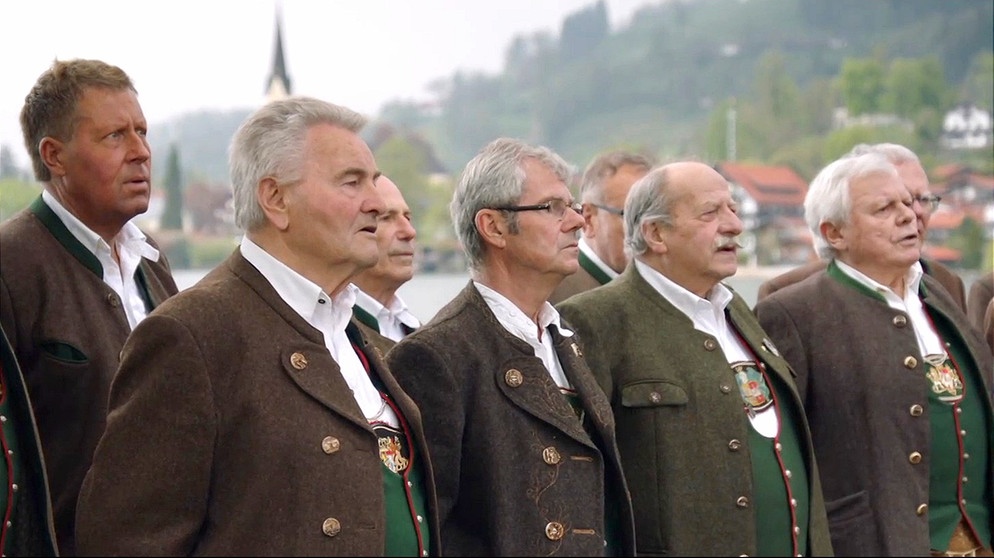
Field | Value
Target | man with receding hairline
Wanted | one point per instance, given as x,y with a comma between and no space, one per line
378,308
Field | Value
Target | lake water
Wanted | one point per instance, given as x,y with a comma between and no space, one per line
427,292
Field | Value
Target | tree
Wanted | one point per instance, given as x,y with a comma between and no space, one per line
862,84
8,166
913,85
172,214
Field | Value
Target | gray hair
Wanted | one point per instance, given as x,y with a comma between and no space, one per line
605,166
828,199
495,177
271,144
893,152
649,201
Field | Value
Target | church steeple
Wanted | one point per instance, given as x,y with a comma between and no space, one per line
278,84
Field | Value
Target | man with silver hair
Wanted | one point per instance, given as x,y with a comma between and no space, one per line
712,432
249,415
603,189
910,169
521,437
895,382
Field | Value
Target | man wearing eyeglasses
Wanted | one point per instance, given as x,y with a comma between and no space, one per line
603,189
520,435
925,203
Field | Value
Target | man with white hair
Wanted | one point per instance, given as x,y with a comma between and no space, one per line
894,381
915,179
712,432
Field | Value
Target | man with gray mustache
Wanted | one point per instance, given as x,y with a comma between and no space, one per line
713,437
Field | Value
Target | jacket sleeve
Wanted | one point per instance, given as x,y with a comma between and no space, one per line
147,490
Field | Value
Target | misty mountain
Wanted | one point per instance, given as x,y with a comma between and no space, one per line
655,84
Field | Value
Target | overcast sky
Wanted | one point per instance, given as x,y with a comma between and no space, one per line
185,55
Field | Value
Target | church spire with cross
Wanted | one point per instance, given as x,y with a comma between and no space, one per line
278,84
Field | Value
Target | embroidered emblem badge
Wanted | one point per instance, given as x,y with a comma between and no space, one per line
752,386
393,452
945,379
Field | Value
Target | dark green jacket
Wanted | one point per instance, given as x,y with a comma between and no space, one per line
32,530
678,411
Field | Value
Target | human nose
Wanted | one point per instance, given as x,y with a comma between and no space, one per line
573,217
406,231
373,202
733,224
138,146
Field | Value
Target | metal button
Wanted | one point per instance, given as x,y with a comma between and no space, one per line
555,531
654,397
965,479
742,502
331,527
420,519
916,410
910,361
793,502
797,530
551,456
959,409
513,377
787,473
734,444
113,300
710,344
298,361
330,444
922,508
778,446
725,388
900,320
915,458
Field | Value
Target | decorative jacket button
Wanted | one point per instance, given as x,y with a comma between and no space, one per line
654,397
555,531
330,444
915,458
916,410
513,377
113,300
710,344
725,388
298,361
331,527
734,445
910,361
900,320
551,456
742,502
922,508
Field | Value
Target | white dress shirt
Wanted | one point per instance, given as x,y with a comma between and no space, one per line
119,274
330,316
390,319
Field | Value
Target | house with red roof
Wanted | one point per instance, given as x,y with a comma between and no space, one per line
771,206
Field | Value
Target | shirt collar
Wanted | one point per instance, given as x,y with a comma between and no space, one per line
687,302
130,237
912,282
300,293
515,321
397,309
589,252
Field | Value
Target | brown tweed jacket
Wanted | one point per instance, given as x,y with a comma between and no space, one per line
981,294
66,327
578,282
850,352
517,473
232,431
